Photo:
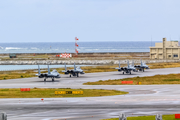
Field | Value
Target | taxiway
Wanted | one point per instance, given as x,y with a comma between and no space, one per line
141,100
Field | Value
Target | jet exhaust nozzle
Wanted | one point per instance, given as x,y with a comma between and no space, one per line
66,72
41,76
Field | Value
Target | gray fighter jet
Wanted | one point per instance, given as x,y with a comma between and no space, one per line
127,69
141,67
74,72
53,74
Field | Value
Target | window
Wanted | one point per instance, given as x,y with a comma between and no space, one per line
175,55
169,55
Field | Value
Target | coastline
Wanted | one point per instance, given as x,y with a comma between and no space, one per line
79,62
81,59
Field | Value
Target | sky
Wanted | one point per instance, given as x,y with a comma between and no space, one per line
89,20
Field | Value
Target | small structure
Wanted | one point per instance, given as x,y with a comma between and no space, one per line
122,116
165,50
158,117
64,55
12,55
3,116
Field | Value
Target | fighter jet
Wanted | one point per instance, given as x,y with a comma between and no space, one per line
141,67
127,69
53,74
74,72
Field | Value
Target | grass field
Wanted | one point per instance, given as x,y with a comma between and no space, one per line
4,75
84,56
50,93
164,65
88,69
149,80
165,117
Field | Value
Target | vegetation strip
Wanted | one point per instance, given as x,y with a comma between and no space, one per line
4,75
165,117
149,80
50,93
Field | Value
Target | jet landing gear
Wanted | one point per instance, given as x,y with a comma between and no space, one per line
142,69
75,74
127,73
45,79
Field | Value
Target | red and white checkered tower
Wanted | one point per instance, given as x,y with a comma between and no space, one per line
76,45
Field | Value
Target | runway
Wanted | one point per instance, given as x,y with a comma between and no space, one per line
141,100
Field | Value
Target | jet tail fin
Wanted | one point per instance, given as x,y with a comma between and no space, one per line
119,64
133,63
49,70
65,67
128,63
39,71
141,62
74,66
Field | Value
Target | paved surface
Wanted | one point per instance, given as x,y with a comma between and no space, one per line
141,100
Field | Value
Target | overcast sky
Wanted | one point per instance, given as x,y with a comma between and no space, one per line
89,20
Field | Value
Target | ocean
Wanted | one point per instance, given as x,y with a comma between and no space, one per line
69,47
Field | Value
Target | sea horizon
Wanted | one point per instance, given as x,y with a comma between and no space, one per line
83,47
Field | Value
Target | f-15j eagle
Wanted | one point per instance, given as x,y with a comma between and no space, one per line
140,67
53,74
127,69
74,72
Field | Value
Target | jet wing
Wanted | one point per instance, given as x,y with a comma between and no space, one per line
118,68
37,74
64,71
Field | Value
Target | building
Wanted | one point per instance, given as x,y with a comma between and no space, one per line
165,50
12,55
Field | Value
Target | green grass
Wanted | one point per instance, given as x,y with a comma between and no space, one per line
149,80
165,117
4,75
50,93
164,65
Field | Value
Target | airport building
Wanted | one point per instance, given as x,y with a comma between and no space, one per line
165,50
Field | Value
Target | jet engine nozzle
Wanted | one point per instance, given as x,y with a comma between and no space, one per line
45,75
41,76
82,73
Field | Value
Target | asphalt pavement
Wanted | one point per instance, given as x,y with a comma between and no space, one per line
141,100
